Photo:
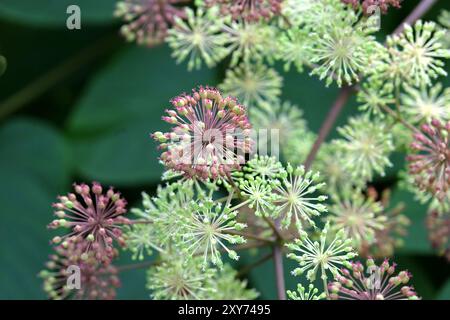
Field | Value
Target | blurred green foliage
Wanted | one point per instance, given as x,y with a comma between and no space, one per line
80,107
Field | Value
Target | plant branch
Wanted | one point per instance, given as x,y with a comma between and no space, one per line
327,125
397,117
279,272
274,228
419,11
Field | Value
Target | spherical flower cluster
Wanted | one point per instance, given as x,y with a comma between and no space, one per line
253,84
296,200
330,163
372,283
258,195
420,50
293,48
282,123
250,10
375,94
366,147
97,280
369,6
264,167
325,256
342,51
92,216
147,21
175,279
438,225
208,228
210,137
249,42
424,104
163,218
358,216
429,164
198,38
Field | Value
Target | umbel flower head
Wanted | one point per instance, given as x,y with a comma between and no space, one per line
429,163
163,217
198,39
374,94
302,294
420,51
93,216
424,104
175,279
282,123
250,10
366,147
263,167
343,50
295,197
330,163
97,280
438,225
209,226
147,21
210,137
249,42
372,283
360,217
258,193
324,256
293,48
253,84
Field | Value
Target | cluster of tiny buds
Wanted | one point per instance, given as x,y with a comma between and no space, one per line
431,164
377,284
97,280
249,10
438,225
368,6
92,216
147,21
210,137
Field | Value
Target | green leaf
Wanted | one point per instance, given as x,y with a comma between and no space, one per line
54,12
31,146
25,239
444,293
124,156
122,106
34,170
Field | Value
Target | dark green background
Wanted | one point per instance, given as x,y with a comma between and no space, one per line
82,105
